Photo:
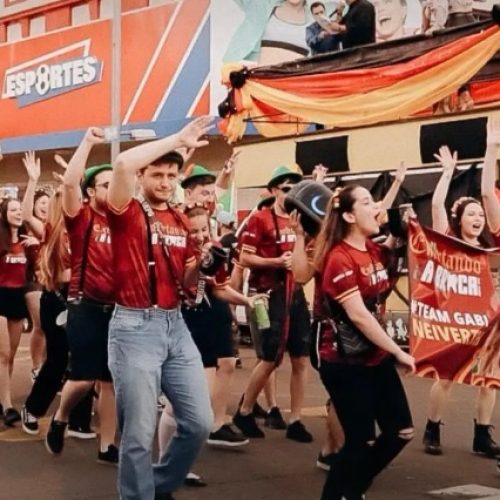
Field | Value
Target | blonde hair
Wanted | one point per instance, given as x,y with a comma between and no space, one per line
54,252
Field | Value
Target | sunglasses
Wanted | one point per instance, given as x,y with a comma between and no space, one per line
285,189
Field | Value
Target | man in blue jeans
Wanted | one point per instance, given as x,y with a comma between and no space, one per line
150,348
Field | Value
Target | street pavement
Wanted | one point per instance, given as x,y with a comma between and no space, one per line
273,468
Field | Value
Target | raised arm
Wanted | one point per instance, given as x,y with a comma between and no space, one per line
32,165
128,163
72,178
448,162
488,178
399,177
319,173
224,177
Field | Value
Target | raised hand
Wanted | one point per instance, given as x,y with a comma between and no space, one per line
186,153
493,132
58,177
190,135
295,223
61,161
400,173
32,165
94,135
231,162
319,173
448,161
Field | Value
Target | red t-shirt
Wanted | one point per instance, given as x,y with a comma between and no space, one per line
260,237
98,283
349,271
130,251
14,266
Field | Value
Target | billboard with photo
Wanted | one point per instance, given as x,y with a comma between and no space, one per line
264,32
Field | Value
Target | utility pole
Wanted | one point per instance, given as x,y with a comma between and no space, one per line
116,54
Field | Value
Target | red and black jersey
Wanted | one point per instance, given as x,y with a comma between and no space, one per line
130,254
98,282
267,235
349,271
14,266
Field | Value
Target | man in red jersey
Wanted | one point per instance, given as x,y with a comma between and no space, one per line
267,245
90,297
150,347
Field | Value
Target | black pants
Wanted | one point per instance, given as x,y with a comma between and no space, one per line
50,377
362,395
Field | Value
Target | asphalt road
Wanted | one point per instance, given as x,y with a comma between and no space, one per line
270,469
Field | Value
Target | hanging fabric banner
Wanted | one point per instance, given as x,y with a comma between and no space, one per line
454,308
355,87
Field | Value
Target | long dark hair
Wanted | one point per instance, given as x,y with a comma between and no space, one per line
5,232
456,214
334,228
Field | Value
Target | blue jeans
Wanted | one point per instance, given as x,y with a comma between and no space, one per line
151,350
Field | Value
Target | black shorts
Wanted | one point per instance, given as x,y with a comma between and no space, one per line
268,342
225,344
12,303
211,329
87,331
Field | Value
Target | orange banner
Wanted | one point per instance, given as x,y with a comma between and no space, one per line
454,309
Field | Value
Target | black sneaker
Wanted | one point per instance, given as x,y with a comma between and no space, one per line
109,457
258,411
324,462
298,432
194,481
11,416
432,438
227,436
274,420
164,496
29,422
81,432
247,425
54,441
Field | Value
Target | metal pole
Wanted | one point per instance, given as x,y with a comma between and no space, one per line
116,78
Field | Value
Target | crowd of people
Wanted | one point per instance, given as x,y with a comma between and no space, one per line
131,294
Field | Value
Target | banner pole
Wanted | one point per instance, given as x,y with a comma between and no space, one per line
116,78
